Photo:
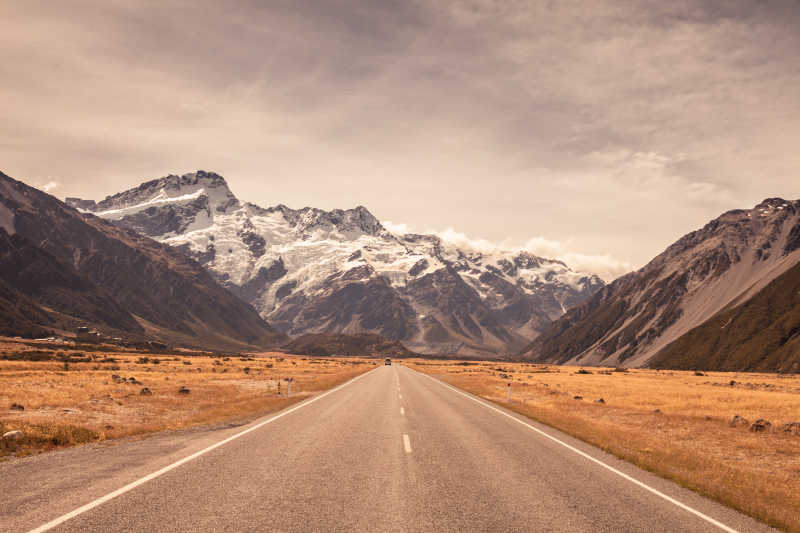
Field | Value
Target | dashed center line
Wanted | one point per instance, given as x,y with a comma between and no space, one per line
406,443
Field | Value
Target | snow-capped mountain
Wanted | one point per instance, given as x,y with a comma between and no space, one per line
311,271
716,268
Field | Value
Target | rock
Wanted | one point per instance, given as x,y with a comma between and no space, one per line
183,390
583,371
577,397
732,383
760,425
698,373
12,435
600,401
791,427
657,411
17,407
738,421
146,392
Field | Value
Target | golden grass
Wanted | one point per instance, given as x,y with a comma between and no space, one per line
81,402
675,424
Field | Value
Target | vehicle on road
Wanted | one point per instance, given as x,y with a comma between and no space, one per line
388,361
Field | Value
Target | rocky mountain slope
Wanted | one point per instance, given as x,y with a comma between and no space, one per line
761,334
66,268
314,271
723,265
359,344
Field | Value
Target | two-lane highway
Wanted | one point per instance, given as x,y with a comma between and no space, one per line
392,450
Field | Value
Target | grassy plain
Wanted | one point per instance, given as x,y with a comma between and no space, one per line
81,400
673,423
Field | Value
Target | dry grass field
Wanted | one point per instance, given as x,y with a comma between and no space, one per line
676,424
99,395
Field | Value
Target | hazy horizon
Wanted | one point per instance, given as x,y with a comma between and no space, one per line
595,134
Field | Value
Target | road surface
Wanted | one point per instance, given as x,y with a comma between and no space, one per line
392,450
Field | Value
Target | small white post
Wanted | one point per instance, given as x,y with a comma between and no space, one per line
508,393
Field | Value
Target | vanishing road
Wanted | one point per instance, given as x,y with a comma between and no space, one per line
392,450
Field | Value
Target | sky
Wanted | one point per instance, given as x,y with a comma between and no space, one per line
595,132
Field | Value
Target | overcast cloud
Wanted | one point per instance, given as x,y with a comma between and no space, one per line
598,132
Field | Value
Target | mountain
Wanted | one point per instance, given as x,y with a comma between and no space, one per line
761,334
718,268
67,268
341,344
340,271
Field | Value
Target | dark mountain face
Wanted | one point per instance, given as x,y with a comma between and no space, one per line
725,263
89,269
360,344
761,334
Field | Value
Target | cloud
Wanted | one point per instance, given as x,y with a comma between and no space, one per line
603,265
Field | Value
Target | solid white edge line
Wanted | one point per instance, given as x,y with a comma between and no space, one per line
141,481
406,443
587,456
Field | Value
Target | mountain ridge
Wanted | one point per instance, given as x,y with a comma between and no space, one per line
143,287
314,271
725,263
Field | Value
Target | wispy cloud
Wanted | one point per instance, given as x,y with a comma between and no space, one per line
603,265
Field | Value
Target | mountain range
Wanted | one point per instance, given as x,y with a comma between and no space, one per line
722,297
60,269
314,271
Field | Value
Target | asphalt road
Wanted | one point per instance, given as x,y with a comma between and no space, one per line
393,450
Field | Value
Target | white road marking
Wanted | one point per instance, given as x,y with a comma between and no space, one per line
402,411
130,486
589,457
406,443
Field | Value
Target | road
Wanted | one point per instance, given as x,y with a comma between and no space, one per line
392,450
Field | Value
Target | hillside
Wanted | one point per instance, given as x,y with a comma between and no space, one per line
761,334
77,268
725,263
362,344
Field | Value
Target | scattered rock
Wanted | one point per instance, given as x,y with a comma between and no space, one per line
583,371
791,427
738,421
187,362
504,376
760,425
183,390
600,401
732,383
698,373
12,435
577,397
657,411
146,392
134,381
17,407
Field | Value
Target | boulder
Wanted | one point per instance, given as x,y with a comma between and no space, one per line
146,392
791,427
738,421
577,397
183,390
760,425
17,407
